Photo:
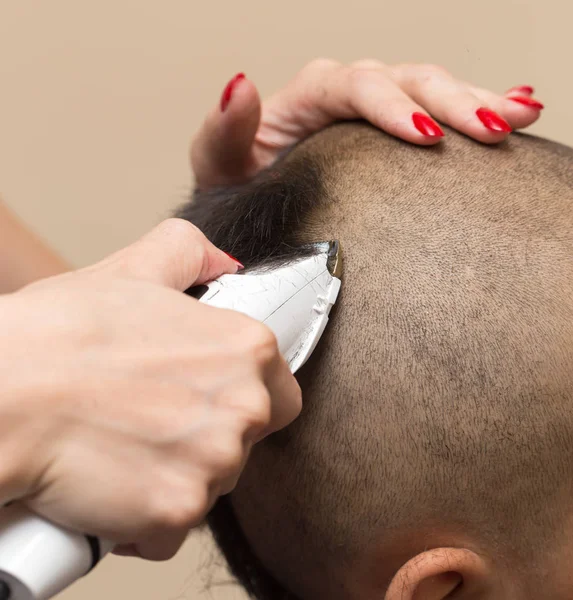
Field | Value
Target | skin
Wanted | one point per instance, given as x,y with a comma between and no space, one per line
435,574
176,456
24,257
249,135
440,248
198,386
451,563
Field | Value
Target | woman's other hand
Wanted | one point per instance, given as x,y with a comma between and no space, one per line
241,135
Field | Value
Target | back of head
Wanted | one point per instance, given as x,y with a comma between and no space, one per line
438,408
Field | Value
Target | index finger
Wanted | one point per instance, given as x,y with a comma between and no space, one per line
325,92
175,254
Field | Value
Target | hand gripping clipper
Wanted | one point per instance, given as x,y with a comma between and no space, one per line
39,559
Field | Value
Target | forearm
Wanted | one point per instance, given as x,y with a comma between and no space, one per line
24,257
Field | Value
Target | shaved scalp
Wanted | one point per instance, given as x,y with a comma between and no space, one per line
440,398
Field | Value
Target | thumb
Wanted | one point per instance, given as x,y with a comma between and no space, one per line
175,254
221,152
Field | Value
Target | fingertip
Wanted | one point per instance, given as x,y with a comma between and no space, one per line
226,264
229,89
489,138
217,263
176,254
416,128
424,140
526,90
519,114
239,264
526,101
493,138
426,125
484,135
239,96
222,150
477,131
237,125
411,135
516,106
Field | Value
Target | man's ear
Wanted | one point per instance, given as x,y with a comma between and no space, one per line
435,574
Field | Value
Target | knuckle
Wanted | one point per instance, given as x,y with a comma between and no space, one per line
226,456
415,73
177,227
255,341
264,345
359,78
321,65
432,71
368,63
176,510
257,414
402,71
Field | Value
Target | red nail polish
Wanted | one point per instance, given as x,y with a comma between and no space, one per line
527,101
493,121
426,126
228,91
241,265
521,89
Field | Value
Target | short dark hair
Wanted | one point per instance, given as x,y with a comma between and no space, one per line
454,328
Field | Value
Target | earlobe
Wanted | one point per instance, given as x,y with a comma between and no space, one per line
435,574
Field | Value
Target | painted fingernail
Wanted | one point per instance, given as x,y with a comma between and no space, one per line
241,265
521,89
426,126
492,120
527,101
228,91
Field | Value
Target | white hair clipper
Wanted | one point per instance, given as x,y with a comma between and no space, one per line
39,559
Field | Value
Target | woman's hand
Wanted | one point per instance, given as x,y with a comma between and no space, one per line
240,136
127,407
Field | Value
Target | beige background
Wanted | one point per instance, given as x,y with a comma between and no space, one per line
98,101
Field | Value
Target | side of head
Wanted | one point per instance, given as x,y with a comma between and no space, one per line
434,455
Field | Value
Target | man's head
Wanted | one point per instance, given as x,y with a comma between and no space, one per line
434,455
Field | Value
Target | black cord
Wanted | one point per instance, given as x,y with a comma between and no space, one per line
5,592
